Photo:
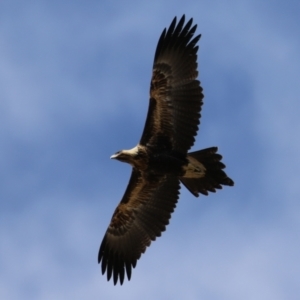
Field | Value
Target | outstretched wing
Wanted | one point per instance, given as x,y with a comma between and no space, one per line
141,216
175,94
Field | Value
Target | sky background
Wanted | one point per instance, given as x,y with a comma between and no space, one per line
74,84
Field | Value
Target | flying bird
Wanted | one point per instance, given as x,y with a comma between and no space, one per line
161,160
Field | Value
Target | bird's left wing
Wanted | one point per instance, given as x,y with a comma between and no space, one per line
175,93
141,216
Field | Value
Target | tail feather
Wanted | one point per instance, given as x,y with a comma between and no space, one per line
214,177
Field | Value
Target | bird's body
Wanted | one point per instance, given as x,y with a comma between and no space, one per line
161,159
153,162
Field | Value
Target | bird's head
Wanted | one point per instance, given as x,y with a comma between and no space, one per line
126,155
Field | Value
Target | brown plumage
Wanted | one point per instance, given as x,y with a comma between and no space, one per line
160,161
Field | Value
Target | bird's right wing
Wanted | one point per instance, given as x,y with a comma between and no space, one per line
140,217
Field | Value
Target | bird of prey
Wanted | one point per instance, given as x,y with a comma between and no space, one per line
161,160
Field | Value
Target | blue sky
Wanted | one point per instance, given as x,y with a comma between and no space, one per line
74,83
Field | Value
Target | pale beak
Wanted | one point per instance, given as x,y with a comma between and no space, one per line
113,156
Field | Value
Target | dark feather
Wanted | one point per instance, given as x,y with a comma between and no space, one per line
175,94
214,178
150,206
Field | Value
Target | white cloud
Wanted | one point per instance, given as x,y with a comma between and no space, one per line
59,85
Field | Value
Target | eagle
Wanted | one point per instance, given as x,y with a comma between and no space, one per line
161,159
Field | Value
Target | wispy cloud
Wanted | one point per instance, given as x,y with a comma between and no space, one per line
74,89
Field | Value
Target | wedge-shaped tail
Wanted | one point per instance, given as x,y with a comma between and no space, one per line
214,176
